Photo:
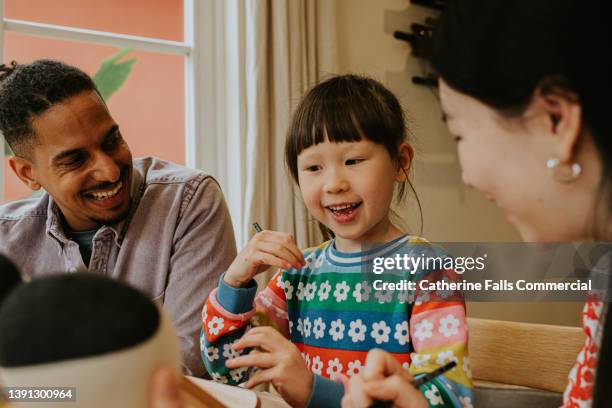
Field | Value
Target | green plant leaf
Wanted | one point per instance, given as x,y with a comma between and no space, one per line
112,74
7,148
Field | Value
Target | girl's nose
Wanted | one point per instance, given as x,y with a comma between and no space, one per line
336,183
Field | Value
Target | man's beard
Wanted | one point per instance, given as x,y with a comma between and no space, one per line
113,220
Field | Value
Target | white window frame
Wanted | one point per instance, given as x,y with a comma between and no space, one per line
196,13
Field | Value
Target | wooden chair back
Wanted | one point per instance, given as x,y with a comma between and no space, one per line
524,354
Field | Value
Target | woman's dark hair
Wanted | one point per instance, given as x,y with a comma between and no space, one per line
346,108
502,51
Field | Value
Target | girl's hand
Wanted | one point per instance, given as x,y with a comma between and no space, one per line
383,378
265,249
280,362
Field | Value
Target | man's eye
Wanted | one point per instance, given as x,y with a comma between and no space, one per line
113,142
73,162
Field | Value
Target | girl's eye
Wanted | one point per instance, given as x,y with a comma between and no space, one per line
313,168
351,162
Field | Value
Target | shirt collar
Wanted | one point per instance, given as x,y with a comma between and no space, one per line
55,218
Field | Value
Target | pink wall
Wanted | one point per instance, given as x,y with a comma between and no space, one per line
150,107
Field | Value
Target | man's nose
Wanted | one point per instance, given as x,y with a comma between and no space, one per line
106,169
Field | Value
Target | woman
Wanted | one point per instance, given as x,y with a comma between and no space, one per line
523,91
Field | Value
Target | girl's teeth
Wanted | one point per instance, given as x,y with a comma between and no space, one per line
341,207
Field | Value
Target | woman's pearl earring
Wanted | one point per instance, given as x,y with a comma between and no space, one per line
564,173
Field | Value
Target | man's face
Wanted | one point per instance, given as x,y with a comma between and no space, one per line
81,160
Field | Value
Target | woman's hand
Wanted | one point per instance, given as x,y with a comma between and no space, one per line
164,390
265,249
280,361
382,378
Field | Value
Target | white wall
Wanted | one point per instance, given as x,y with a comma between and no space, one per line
451,211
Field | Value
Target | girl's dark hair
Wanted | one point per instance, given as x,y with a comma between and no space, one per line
346,108
501,51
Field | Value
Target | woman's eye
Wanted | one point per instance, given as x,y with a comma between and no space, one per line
457,139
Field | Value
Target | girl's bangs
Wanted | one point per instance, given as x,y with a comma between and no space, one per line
333,121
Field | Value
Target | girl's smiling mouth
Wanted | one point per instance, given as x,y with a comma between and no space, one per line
345,212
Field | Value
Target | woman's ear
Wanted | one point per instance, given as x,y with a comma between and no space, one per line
564,120
404,160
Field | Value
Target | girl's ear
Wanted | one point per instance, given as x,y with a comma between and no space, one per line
404,160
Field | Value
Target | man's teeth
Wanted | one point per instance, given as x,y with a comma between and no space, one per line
342,207
106,194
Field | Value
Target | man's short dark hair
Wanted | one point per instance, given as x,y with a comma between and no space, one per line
70,316
28,90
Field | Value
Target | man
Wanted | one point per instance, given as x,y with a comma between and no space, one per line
162,228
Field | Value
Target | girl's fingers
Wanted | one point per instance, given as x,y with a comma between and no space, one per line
263,258
380,364
286,240
356,395
397,389
260,360
282,252
265,338
261,377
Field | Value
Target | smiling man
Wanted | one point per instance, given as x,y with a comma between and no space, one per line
160,227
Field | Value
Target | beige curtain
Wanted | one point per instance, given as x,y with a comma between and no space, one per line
290,46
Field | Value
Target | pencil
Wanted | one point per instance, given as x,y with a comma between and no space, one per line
430,376
416,383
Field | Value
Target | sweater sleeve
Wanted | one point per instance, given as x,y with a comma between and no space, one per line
228,313
438,331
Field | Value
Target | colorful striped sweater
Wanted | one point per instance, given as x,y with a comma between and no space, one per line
331,311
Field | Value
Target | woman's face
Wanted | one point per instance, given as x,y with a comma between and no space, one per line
505,159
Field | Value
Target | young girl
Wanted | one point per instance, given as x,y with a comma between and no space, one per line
347,150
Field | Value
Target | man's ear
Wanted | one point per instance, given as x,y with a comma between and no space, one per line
404,158
23,169
564,114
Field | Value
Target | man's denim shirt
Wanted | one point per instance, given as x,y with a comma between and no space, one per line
175,243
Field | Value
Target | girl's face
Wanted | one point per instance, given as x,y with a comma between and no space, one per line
506,159
349,186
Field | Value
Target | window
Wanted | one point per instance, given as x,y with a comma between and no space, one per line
155,107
